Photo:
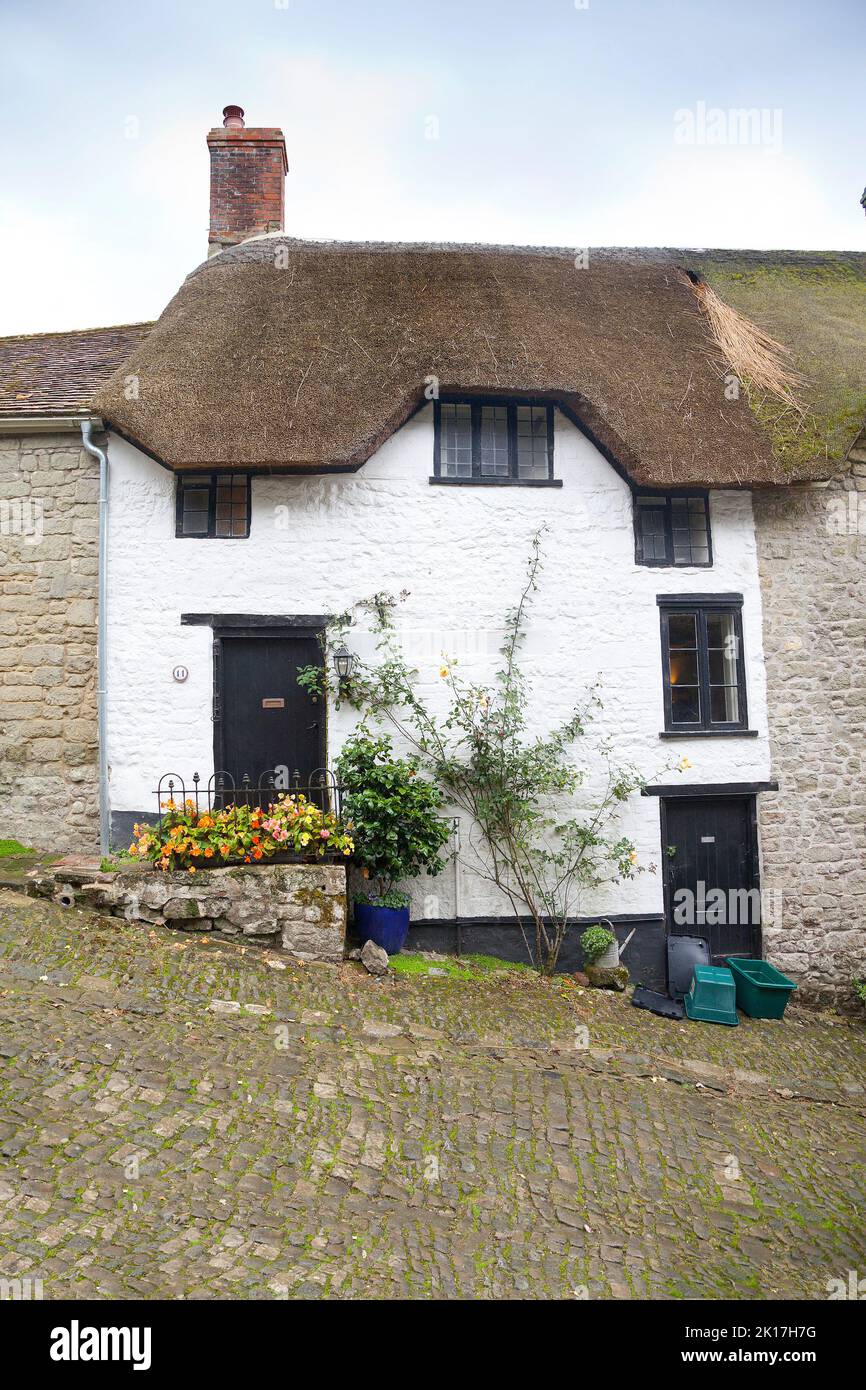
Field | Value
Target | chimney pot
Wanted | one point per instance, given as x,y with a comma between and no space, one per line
233,117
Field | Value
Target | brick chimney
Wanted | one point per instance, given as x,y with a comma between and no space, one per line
247,181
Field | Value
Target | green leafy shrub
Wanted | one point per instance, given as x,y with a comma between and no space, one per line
398,830
394,899
860,990
594,942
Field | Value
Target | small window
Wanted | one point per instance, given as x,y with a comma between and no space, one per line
493,441
213,505
672,529
702,655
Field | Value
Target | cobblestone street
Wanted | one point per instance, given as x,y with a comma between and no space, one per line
185,1117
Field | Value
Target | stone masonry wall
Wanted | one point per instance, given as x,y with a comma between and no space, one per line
812,555
49,488
299,907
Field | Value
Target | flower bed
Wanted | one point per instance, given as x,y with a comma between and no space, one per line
291,827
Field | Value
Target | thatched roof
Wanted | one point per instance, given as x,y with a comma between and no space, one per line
815,303
286,354
58,373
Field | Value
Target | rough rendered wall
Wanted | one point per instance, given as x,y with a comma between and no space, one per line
48,591
319,543
812,555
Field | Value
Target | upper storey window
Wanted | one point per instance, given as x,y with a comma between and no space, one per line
213,505
493,440
672,529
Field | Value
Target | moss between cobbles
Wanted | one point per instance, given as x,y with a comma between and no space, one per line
497,1005
13,847
471,967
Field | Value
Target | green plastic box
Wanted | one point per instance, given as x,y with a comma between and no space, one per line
712,996
762,990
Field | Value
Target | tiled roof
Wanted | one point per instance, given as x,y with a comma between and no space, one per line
58,373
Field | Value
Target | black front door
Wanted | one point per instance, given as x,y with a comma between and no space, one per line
710,852
265,719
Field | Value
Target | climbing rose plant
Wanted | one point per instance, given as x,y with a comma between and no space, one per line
518,790
245,833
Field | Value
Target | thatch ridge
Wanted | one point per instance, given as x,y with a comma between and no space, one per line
280,353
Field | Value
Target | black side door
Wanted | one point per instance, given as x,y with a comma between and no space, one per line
264,718
709,846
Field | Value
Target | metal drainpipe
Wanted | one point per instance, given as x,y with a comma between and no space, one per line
101,662
455,829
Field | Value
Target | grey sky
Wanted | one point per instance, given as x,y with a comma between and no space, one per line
491,120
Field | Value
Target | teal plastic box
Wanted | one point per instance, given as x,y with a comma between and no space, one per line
762,990
712,996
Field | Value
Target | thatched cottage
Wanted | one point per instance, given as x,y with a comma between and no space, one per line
186,502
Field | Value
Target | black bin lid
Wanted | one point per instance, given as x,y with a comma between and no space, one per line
684,953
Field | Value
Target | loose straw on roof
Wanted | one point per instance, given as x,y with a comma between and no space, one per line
758,360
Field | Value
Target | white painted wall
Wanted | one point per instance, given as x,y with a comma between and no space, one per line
318,544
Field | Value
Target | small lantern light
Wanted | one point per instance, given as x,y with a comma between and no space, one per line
344,663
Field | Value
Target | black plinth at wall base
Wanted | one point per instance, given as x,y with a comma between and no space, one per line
501,937
122,823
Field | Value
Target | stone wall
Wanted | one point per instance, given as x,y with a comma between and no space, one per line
49,786
812,554
299,907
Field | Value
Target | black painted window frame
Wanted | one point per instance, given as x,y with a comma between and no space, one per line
209,481
702,606
669,562
477,479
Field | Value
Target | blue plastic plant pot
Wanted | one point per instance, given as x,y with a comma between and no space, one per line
387,926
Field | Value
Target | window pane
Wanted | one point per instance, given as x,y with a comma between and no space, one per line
723,654
723,668
195,510
689,530
651,528
494,441
722,631
685,704
682,630
532,441
684,668
456,441
195,523
724,704
195,499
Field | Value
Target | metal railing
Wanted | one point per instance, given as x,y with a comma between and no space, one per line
222,791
